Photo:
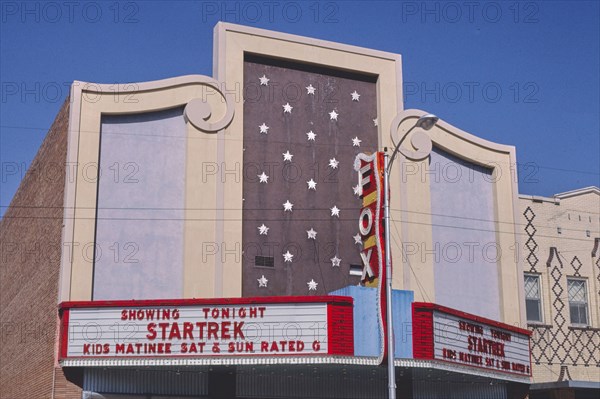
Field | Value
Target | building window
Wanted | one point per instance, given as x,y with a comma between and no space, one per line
533,298
559,230
578,301
264,261
587,233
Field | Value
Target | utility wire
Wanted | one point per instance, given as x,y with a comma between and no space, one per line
491,163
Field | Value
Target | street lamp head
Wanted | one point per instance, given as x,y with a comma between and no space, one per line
420,140
427,121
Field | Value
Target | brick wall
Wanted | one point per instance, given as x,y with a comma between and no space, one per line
30,244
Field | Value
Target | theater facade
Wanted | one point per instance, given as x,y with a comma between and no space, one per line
215,243
224,217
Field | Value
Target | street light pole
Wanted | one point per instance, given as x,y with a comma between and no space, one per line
425,122
388,282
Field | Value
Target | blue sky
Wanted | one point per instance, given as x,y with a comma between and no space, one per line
524,73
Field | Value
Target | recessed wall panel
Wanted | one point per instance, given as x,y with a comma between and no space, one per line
140,212
464,245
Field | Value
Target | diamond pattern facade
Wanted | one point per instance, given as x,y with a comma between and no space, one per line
531,245
557,343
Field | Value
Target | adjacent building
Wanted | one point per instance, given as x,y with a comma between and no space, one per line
562,287
206,237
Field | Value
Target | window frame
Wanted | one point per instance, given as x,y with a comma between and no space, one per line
538,277
587,301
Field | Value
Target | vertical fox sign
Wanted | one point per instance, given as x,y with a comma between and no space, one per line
370,170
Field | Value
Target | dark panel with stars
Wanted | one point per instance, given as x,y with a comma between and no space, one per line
303,127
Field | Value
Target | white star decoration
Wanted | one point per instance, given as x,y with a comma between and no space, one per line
263,177
335,211
287,108
311,135
287,206
312,185
287,156
264,81
310,89
357,239
357,189
312,285
333,115
287,257
335,261
355,96
263,230
333,163
263,128
375,122
262,282
356,142
312,234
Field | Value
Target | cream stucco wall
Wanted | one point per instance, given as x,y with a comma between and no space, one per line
230,45
90,102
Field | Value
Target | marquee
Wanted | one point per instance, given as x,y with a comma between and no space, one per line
451,336
226,328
